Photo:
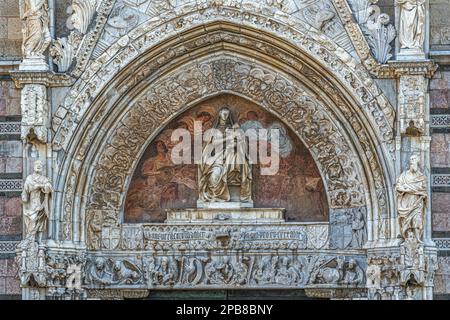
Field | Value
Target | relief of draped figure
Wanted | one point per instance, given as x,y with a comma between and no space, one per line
225,163
36,33
412,23
411,192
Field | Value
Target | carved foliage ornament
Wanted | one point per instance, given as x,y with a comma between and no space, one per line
63,50
34,107
376,27
166,97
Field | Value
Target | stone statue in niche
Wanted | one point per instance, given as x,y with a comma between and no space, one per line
412,23
36,33
411,192
36,198
221,174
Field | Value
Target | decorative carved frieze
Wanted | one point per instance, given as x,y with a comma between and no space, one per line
8,128
8,247
440,120
219,270
82,13
210,236
440,180
395,69
11,185
442,243
48,79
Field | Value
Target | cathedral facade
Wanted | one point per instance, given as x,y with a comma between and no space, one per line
134,161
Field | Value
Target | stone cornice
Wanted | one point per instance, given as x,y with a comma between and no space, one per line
47,78
395,69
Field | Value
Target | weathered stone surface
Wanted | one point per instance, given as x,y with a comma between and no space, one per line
136,65
10,216
440,150
10,30
440,207
9,99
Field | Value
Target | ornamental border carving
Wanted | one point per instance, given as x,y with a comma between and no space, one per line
278,94
333,58
266,11
146,72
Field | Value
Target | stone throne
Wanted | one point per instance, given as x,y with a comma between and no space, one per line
225,180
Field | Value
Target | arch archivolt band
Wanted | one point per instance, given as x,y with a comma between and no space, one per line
322,107
127,85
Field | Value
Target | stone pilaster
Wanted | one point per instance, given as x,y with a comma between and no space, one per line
404,270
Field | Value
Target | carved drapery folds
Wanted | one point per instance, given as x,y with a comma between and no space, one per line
36,194
412,197
412,25
406,272
36,33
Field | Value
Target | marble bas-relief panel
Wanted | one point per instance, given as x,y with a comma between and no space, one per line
158,184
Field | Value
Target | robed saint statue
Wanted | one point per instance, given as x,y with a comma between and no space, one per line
411,192
225,165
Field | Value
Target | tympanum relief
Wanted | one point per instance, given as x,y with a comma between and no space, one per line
159,184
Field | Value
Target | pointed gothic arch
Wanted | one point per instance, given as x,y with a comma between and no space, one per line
323,100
